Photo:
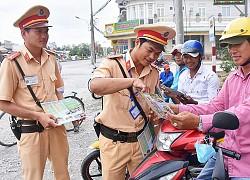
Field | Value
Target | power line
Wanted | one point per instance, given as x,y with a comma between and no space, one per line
100,31
102,7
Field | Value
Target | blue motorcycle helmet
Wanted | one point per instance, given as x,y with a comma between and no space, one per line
193,48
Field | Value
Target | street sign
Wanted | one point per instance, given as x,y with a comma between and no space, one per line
211,29
121,27
228,2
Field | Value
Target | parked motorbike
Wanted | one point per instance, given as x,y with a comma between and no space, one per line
91,167
175,150
159,63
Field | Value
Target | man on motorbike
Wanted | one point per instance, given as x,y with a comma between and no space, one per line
166,78
198,84
234,97
177,56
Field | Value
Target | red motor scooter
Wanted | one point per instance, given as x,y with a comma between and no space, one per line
175,150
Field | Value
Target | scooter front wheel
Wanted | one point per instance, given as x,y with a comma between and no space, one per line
91,167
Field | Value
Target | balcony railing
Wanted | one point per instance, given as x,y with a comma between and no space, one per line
190,21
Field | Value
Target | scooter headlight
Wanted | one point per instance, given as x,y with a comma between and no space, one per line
169,176
164,140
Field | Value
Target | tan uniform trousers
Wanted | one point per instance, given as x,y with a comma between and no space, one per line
35,148
115,157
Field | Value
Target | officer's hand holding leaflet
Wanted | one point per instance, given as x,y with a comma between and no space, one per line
158,106
154,119
137,83
47,120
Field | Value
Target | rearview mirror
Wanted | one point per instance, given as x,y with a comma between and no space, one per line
225,120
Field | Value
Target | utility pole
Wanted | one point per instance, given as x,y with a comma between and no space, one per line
246,8
92,28
212,39
179,22
93,55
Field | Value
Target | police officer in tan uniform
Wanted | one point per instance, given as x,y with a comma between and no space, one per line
118,143
41,138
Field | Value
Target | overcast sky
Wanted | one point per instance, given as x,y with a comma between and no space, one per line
66,28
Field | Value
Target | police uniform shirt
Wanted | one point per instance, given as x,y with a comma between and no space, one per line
116,106
13,87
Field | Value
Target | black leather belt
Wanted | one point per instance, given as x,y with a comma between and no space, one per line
32,126
119,135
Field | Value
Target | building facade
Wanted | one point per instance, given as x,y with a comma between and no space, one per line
196,16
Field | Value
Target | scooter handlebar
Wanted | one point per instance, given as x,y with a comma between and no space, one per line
228,152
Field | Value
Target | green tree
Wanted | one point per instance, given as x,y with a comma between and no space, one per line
227,63
81,50
84,50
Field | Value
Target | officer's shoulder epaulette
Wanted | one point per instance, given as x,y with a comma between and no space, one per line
13,55
50,51
155,67
114,56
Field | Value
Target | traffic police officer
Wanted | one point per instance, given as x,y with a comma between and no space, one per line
120,122
41,138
